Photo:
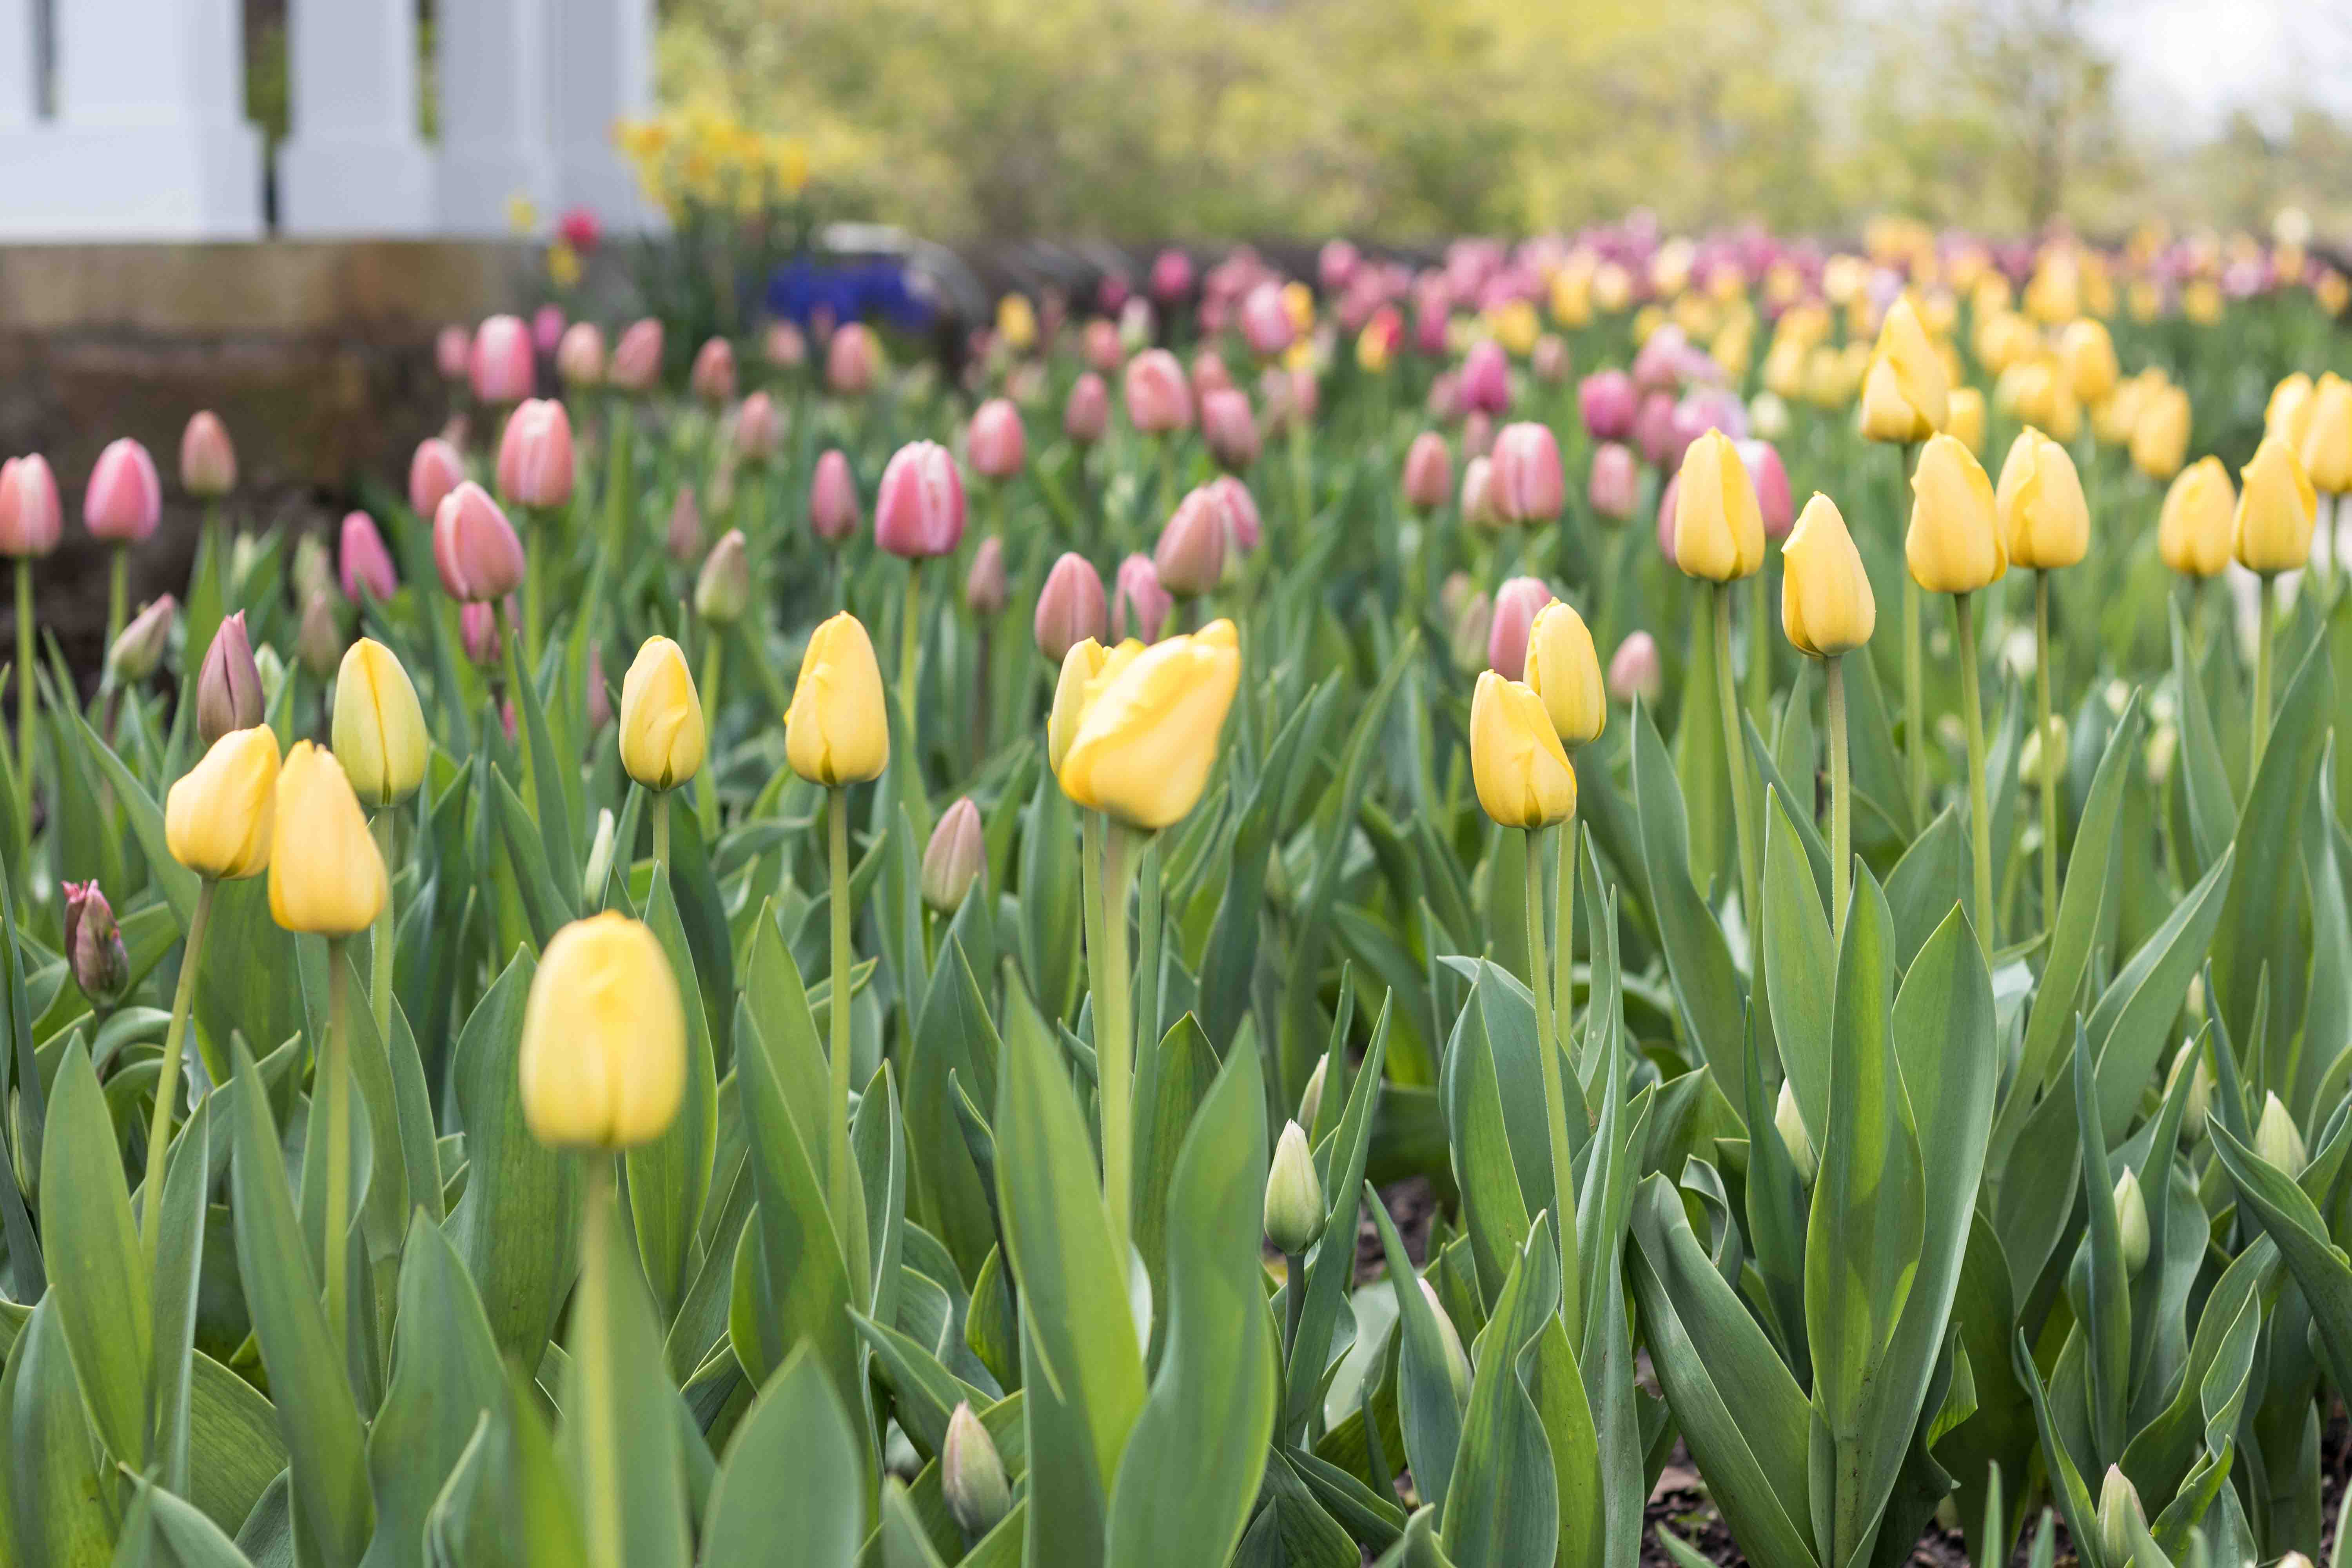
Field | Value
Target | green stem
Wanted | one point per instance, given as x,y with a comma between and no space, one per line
661,828
1114,1057
333,1080
26,703
705,789
1760,653
2260,730
2047,785
1294,1298
619,424
1555,1093
840,1171
910,645
385,825
175,1047
1841,799
1735,753
118,595
536,530
1914,701
1979,814
593,1354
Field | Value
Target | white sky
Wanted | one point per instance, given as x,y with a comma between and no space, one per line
2200,59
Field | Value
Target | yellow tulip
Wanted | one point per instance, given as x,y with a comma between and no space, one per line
2113,416
2160,437
1522,773
1718,527
1905,396
217,818
2326,449
838,731
2192,532
1964,421
1563,669
1086,671
1016,321
2089,355
1954,546
379,731
2003,338
1146,742
2288,413
1826,605
2036,390
662,734
2276,510
325,875
2044,522
1784,367
602,1063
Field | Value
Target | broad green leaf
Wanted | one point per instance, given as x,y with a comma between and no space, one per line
669,1178
57,1497
97,1270
1502,1506
792,1480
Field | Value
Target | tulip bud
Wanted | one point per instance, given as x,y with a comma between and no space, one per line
124,500
1635,672
93,945
217,816
580,357
433,473
1086,671
1477,503
1788,1120
603,1061
1521,773
2131,1221
2044,522
2198,1105
919,510
1486,377
1158,400
453,351
2088,354
1229,428
1428,472
31,517
1955,544
1563,669
1526,484
971,1475
2278,1142
1606,401
2277,510
1087,414
478,629
1548,362
599,867
954,858
1099,343
2326,449
837,731
1471,625
501,365
1517,604
1826,605
1458,1365
2119,1512
2192,532
1137,598
662,734
1191,556
712,377
2159,433
984,587
784,346
474,546
1142,746
1070,607
139,647
759,429
723,589
1293,1197
318,639
1718,525
535,454
637,357
228,684
1906,395
379,728
326,876
1310,1101
994,441
364,568
1266,325
1615,484
1773,502
207,456
852,359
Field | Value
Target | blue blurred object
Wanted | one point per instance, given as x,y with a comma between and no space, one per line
868,290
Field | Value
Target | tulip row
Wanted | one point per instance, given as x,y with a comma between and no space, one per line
925,1110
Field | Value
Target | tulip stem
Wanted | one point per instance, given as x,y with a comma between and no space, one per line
385,825
1555,1093
118,595
2265,613
1563,957
167,1082
2047,784
593,1356
619,424
1294,1304
705,789
1915,699
911,650
838,1165
333,1080
1979,814
1114,1059
1735,749
26,704
1841,799
661,828
1759,652
536,521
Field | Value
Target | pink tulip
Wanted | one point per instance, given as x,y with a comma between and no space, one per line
1606,399
759,428
433,473
1762,460
682,535
637,357
474,546
1549,362
1634,670
919,511
478,630
984,587
1229,427
995,441
364,565
1428,472
535,455
1478,434
1477,502
1087,414
834,510
1209,373
1070,606
784,345
1660,362
1172,275
1654,432
1138,604
546,328
453,353
1242,527
580,356
1429,328
32,518
1104,353
502,364
1190,555
124,500
207,456
1445,401
1336,265
1487,377
1266,325
1616,481
852,359
712,379
1666,516
1528,485
1158,401
1516,603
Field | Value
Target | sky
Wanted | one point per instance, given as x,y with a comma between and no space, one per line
2203,59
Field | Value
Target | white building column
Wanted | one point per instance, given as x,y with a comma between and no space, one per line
604,73
491,56
150,140
20,97
352,162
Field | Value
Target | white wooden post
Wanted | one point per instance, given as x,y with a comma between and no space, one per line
604,73
352,162
492,60
150,141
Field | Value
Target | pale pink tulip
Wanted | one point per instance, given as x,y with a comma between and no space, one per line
918,510
32,518
124,500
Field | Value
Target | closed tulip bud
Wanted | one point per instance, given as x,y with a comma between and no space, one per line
1143,747
603,1061
1293,1197
1099,343
364,566
217,816
1522,774
580,356
1826,605
834,510
1477,503
2327,448
1087,414
2159,435
453,351
994,442
2042,761
2131,1221
2193,531
1527,484
712,377
1606,401
318,639
1266,325
954,858
918,512
1517,604
474,546
478,630
1158,400
124,500
784,346
31,517
1478,437
984,587
228,684
662,733
1548,363
852,359
2277,510
1615,486
971,1475
1209,375
837,731
93,945
2088,356
2199,1105
1964,418
1471,623
2121,1518
1563,669
1788,1121
379,728
1773,502
1238,508
1070,607
326,877
1458,1364
313,569
1906,394
2288,413
1486,377
2044,522
1636,670
433,473
1718,525
592,876
1229,427
1139,602
1191,557
1428,472
207,456
2292,1560
759,428
1955,544
1310,1100
722,590
2278,1142
535,454
502,363
637,357
1086,671
139,647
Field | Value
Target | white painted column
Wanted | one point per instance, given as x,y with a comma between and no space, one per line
491,56
20,96
604,73
352,162
150,140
